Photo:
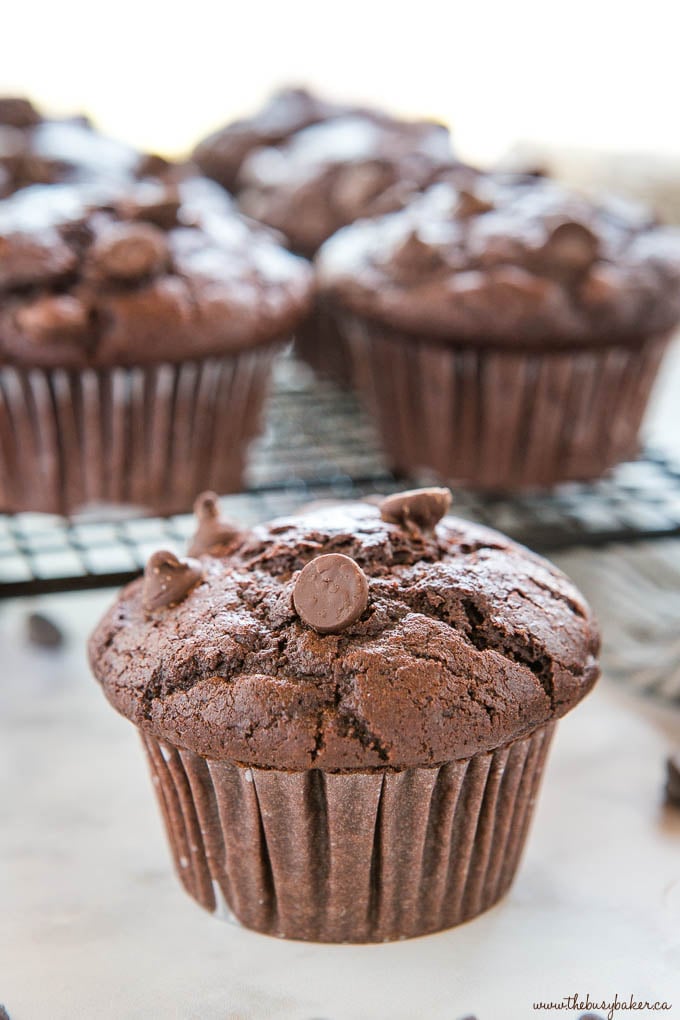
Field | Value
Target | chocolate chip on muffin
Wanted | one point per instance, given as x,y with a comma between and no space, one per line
214,534
168,580
330,593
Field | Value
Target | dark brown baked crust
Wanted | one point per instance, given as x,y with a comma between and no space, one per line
222,153
509,261
157,270
326,176
38,150
468,641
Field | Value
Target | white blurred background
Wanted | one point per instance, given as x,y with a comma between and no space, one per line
596,74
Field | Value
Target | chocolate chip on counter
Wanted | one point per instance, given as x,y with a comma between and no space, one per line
129,251
213,533
43,632
18,112
168,580
571,247
673,779
4,1015
417,510
54,317
331,592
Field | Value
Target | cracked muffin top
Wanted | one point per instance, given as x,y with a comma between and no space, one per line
354,635
508,259
157,270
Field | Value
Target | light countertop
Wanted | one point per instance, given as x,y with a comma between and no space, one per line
94,925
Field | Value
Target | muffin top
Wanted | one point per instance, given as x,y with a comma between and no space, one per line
153,271
506,260
221,154
362,164
38,150
353,635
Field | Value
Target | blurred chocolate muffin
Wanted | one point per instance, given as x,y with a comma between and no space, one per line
137,328
221,155
328,175
38,150
347,712
506,333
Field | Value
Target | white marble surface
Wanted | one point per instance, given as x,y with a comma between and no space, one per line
93,924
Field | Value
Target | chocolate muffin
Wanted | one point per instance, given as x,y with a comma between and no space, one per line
329,175
38,150
137,329
506,333
221,154
347,712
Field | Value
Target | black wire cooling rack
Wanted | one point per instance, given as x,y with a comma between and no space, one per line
318,444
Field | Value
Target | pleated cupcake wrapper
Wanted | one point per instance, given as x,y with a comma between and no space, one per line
503,419
151,436
358,856
321,343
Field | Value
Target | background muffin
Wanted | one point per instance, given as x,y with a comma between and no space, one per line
222,153
38,150
327,176
347,712
137,329
507,333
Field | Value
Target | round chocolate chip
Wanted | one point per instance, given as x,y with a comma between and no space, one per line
331,592
214,533
54,317
416,510
571,247
18,112
130,251
167,579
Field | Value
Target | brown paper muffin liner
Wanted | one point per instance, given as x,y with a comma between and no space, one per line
503,419
321,343
150,436
357,856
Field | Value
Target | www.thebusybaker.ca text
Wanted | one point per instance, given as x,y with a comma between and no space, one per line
609,1006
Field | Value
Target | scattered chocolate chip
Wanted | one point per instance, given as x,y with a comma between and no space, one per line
129,251
471,204
4,1015
43,632
18,112
571,247
331,592
214,533
54,317
417,510
673,779
167,579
